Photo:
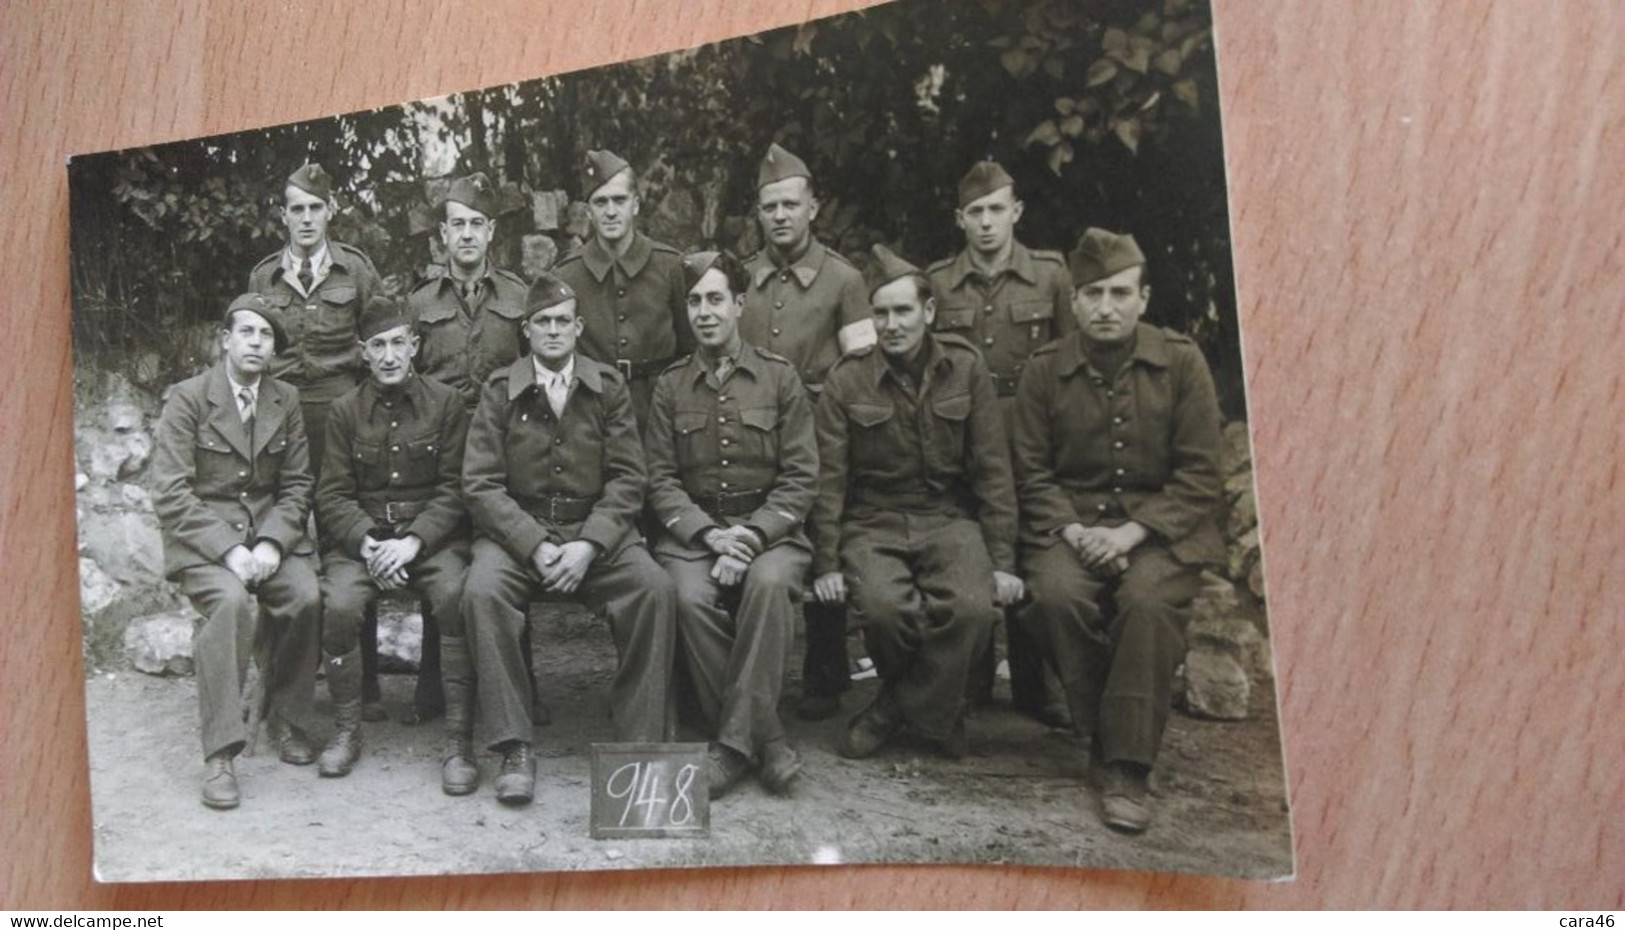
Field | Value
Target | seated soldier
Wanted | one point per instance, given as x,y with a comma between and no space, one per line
391,514
915,518
1117,449
554,479
231,487
732,464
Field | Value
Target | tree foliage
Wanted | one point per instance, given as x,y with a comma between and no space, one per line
1105,112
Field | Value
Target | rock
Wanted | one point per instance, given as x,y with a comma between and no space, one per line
134,495
125,418
1215,602
1238,452
677,217
80,479
400,634
161,644
1243,555
539,252
1216,686
126,545
138,450
1243,515
96,590
1238,484
1235,637
545,207
1255,580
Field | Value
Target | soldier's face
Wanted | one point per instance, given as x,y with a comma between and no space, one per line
467,234
389,354
249,342
306,216
990,221
713,310
901,317
1108,309
787,209
552,333
613,207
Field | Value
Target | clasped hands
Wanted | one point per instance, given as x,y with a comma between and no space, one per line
1008,589
563,567
387,559
1104,549
735,547
252,566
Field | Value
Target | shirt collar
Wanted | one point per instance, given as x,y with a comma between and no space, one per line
935,359
1021,265
545,375
1150,347
411,392
805,269
599,260
744,360
320,260
237,388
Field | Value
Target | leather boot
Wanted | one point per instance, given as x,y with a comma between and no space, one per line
458,773
344,685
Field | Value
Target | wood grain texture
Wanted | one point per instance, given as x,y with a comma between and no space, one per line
1428,235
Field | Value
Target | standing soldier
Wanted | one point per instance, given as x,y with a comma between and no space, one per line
1007,300
392,516
732,465
808,304
1117,447
629,287
231,487
554,479
467,320
916,512
319,286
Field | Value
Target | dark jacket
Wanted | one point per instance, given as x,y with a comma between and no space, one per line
323,357
214,489
1141,446
633,306
461,346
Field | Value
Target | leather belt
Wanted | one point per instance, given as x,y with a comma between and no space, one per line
396,512
558,508
732,503
1006,386
635,371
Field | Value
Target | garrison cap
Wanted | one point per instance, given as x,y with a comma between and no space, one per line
381,315
474,192
313,179
982,179
596,171
258,304
1101,254
548,291
886,268
779,164
696,264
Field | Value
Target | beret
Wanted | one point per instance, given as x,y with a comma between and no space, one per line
257,303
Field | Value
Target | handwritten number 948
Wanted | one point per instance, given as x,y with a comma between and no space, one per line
643,785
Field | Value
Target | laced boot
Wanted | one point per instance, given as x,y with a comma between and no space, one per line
344,685
459,775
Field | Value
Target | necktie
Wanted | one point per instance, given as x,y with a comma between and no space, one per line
246,406
307,277
725,367
558,389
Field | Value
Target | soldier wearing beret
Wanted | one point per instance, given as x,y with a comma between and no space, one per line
732,465
807,303
629,287
1117,454
467,316
319,286
391,514
1007,300
915,518
231,487
554,478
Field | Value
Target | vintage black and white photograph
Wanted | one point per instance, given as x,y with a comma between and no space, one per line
824,446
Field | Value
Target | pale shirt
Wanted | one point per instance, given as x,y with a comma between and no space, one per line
238,389
321,261
545,380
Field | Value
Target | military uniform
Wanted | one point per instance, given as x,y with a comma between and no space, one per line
797,309
736,452
219,483
1104,448
467,336
633,305
322,358
1026,305
916,506
530,477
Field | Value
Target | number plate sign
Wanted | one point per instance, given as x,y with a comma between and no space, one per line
649,790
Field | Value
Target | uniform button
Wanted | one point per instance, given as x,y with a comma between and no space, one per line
238,525
1111,393
988,341
524,416
621,292
988,309
1119,471
722,419
622,318
778,305
557,469
394,423
723,399
623,340
1118,444
724,463
784,276
1099,382
723,485
1100,507
394,474
1117,490
1117,420
559,441
242,474
394,448
724,441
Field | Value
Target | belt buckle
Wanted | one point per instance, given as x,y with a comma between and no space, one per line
625,365
389,513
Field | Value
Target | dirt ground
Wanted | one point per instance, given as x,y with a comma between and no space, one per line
1021,797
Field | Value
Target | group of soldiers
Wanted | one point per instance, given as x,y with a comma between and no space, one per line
699,448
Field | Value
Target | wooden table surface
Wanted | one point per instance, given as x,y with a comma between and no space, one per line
1428,205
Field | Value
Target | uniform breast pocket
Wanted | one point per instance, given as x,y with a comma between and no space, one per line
695,444
949,415
761,432
956,319
421,465
276,451
218,465
1033,323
